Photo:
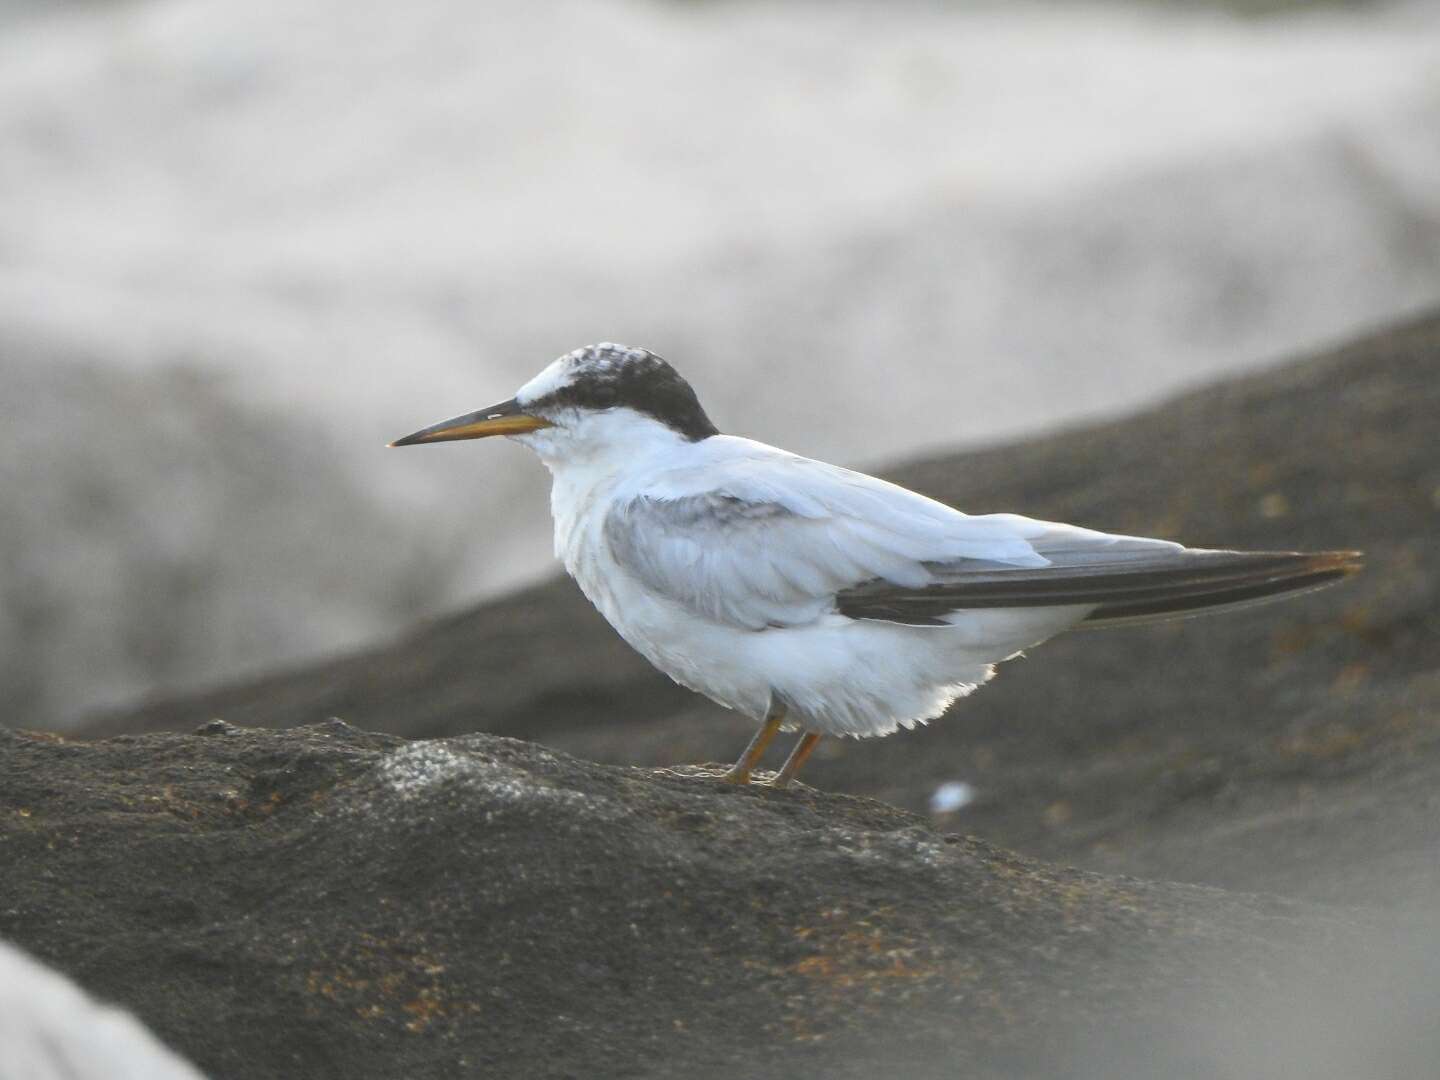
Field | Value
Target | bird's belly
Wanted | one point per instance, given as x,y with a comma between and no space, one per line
709,657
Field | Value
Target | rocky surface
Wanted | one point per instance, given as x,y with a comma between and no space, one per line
1294,747
324,902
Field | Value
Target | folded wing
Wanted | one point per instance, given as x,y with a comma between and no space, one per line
768,539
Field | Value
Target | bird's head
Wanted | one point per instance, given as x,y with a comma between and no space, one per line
598,400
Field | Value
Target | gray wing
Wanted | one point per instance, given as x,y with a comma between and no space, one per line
771,539
750,564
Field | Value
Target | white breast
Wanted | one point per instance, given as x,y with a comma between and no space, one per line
694,652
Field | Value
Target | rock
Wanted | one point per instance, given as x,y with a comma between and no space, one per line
51,1030
1294,747
324,902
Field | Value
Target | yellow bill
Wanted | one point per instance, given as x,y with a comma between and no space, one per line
505,418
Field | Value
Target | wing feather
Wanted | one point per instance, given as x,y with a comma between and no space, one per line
1117,586
771,539
763,538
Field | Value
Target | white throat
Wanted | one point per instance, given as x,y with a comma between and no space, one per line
592,454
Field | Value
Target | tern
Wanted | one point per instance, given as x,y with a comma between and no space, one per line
810,597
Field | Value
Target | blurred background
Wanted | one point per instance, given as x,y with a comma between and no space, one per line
244,244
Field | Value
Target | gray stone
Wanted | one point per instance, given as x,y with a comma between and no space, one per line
323,902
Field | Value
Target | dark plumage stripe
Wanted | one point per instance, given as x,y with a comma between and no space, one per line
1176,583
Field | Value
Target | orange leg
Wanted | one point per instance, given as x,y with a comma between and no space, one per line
803,749
740,772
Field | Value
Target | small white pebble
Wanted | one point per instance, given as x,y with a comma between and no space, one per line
951,796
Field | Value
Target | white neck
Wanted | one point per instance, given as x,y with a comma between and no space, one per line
590,454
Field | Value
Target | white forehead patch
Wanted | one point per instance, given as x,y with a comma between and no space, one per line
555,375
